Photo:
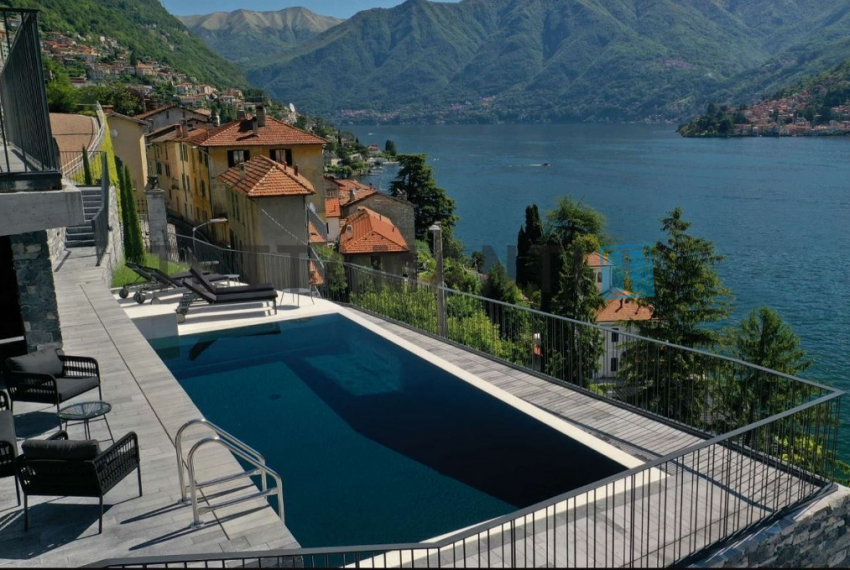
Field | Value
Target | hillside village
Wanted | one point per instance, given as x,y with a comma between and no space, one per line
108,61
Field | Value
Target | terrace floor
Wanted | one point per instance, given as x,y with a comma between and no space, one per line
146,399
662,514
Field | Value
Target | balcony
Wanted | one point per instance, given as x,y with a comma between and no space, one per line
32,193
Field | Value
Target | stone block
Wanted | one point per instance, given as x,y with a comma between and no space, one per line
837,558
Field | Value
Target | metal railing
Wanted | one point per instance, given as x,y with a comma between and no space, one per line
28,145
84,167
318,223
100,221
768,439
88,171
189,494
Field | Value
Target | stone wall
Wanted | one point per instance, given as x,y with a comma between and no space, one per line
816,535
114,255
36,290
56,245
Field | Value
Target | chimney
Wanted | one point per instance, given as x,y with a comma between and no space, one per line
256,127
351,195
240,115
216,120
182,128
241,171
261,115
349,231
295,167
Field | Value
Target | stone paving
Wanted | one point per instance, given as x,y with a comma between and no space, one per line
146,399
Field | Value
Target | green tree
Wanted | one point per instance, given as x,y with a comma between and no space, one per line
569,220
529,246
688,291
499,287
688,296
576,348
476,260
415,182
134,248
87,175
334,272
389,148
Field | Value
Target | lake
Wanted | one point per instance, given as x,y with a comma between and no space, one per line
778,209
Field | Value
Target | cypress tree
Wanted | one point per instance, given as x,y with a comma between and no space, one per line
88,180
529,242
134,249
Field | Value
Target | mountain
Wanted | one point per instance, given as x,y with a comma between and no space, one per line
236,35
548,60
142,26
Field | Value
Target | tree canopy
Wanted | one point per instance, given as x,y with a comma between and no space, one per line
415,183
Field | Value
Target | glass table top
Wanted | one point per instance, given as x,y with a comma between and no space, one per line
84,411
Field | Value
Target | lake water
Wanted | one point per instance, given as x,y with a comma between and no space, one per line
778,209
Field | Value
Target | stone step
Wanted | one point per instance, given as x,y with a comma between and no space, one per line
82,243
77,230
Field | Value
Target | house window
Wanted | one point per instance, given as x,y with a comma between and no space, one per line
159,168
235,157
281,155
203,189
614,364
599,277
184,154
168,170
615,337
376,262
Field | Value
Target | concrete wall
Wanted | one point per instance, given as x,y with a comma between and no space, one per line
399,211
814,536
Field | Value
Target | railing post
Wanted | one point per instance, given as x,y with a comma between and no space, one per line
437,231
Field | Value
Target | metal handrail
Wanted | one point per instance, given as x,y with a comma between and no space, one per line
256,456
266,472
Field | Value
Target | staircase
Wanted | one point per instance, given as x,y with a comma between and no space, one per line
83,235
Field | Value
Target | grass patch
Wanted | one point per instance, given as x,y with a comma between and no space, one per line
123,275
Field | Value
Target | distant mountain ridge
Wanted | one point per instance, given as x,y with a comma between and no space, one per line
554,60
143,26
237,35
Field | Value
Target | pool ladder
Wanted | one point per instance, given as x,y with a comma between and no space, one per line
189,494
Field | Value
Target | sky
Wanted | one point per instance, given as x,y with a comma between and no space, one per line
337,8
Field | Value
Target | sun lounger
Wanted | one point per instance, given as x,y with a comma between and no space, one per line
205,282
221,297
153,281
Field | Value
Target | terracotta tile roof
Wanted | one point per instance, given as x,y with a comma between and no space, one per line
196,136
112,113
332,209
147,114
315,236
265,177
241,133
370,233
360,191
167,133
625,309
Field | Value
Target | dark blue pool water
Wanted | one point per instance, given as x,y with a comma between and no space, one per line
374,444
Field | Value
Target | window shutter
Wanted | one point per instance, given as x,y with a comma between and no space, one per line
230,161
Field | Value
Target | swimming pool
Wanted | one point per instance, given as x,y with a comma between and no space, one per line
374,444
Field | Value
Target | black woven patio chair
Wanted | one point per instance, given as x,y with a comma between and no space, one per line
59,467
8,443
50,377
